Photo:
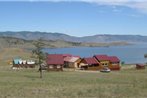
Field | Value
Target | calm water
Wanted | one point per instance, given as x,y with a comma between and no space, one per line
128,54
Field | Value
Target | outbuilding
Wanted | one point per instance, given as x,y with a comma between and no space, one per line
140,66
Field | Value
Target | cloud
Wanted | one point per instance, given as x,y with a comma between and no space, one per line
140,5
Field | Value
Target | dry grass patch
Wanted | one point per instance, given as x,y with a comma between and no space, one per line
25,83
7,54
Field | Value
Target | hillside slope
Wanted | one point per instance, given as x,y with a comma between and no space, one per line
59,36
11,42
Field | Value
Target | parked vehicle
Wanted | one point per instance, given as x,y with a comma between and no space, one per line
105,69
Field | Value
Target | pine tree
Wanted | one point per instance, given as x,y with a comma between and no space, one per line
39,54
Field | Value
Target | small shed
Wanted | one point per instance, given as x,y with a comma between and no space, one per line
55,62
16,62
19,63
140,66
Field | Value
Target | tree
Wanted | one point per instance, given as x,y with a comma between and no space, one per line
145,55
39,54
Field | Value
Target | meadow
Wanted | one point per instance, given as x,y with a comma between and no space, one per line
25,83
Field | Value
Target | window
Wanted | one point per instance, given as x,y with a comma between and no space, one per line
105,64
58,66
51,66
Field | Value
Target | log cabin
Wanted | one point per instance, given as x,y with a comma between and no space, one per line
112,62
55,62
89,63
71,61
103,60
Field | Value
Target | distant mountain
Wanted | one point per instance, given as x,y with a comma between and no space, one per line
27,35
11,42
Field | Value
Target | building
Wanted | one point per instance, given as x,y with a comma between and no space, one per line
103,60
16,62
89,63
112,62
55,62
19,63
140,66
71,61
66,55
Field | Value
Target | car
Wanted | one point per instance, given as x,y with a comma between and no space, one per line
105,69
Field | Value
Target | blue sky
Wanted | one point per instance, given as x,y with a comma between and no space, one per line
75,17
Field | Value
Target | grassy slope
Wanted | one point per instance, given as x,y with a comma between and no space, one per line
26,83
7,54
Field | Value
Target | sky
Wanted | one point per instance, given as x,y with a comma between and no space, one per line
75,17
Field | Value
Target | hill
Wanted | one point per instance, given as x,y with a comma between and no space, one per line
59,36
11,42
7,54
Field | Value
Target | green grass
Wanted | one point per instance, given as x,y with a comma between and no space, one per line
25,83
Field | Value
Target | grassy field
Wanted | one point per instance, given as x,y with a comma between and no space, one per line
25,83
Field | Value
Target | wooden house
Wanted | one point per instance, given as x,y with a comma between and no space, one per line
71,61
89,64
140,66
114,63
55,62
103,60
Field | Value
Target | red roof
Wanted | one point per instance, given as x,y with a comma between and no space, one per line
55,59
71,59
91,60
66,55
101,57
113,59
140,65
76,56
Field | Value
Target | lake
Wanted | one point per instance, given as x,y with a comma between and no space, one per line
128,54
